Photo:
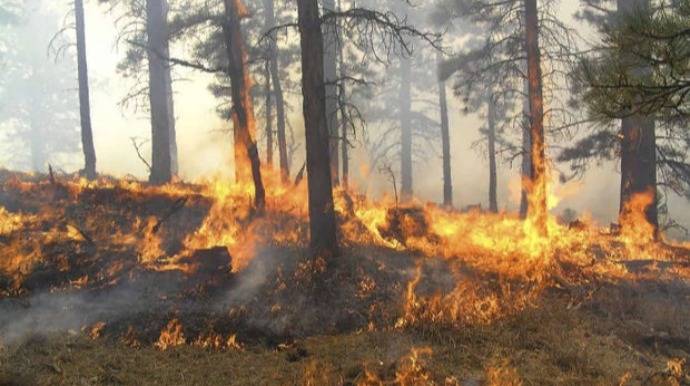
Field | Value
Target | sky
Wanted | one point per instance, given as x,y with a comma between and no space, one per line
205,146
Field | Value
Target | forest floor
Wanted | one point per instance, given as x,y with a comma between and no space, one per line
83,302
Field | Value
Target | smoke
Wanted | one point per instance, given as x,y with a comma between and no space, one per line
204,150
54,312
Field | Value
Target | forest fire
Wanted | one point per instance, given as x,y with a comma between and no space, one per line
473,243
143,269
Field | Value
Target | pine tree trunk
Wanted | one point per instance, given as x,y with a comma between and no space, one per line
330,63
493,183
445,139
84,102
269,118
537,211
638,166
405,128
525,172
242,106
269,15
163,141
322,222
638,149
344,140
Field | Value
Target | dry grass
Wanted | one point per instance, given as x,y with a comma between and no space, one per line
544,346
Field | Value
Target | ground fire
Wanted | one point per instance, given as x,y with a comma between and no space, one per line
193,265
273,192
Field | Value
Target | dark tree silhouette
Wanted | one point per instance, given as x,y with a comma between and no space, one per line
322,223
84,102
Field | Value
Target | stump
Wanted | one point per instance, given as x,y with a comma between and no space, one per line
404,223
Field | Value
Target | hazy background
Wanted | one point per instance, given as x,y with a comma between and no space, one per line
205,146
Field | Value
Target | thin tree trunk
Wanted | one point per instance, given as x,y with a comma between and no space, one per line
163,141
638,151
330,63
322,222
537,211
525,172
405,128
343,141
269,15
242,106
84,103
269,118
445,139
493,184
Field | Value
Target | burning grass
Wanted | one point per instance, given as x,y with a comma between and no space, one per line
186,272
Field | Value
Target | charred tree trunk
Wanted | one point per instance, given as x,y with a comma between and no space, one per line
638,149
343,120
525,172
84,102
330,69
638,166
163,141
269,118
491,136
269,16
537,210
445,139
405,128
242,106
322,222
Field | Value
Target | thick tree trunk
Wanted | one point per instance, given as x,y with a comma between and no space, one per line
242,106
405,128
445,139
491,136
269,118
322,222
84,102
269,16
330,64
638,167
638,151
163,141
537,211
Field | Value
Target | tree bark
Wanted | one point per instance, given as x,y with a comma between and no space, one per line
163,141
269,118
405,128
638,149
537,210
330,63
344,136
322,222
445,139
638,166
491,136
269,16
525,172
242,106
84,102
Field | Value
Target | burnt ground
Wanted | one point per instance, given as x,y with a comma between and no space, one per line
84,310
